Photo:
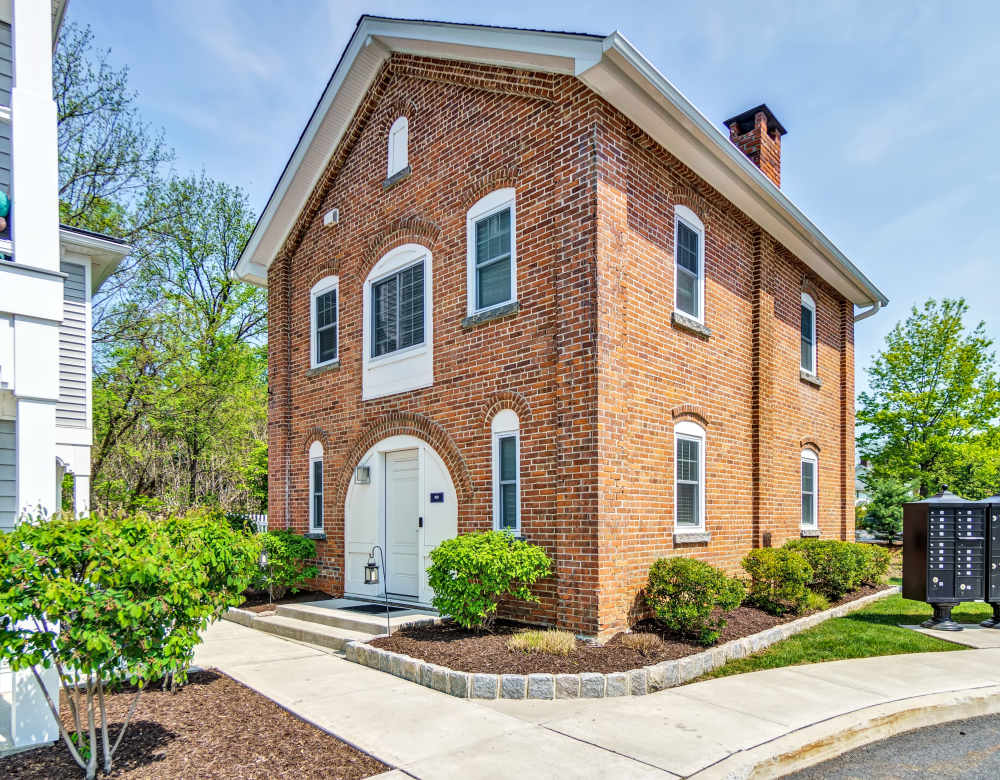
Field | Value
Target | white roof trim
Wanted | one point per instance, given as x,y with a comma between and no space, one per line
105,254
611,66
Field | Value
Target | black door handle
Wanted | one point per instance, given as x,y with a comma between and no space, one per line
420,522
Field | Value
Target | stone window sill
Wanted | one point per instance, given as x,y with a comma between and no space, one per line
684,322
507,310
810,378
397,177
692,537
809,533
324,368
319,536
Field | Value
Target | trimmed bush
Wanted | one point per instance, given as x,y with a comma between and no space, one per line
472,572
288,563
876,564
837,566
779,580
691,597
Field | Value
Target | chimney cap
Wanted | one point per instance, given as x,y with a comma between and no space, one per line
746,119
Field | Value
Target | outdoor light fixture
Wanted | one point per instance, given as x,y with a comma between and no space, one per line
372,578
363,475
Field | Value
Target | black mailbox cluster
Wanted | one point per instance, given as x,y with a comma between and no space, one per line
951,554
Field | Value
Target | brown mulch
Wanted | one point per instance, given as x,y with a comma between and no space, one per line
213,727
450,645
264,605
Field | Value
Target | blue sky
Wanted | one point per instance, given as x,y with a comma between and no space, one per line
892,108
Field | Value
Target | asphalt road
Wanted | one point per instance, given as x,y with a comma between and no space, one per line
966,749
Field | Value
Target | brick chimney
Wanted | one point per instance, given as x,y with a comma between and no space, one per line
758,135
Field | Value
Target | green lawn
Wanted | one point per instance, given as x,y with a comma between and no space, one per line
873,630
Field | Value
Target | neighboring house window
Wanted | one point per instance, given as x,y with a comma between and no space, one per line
324,304
809,485
506,472
689,501
808,333
398,310
689,263
398,142
491,254
316,486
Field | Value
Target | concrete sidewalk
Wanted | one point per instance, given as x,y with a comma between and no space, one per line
723,727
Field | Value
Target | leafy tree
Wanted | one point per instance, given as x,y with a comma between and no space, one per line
930,414
114,600
884,517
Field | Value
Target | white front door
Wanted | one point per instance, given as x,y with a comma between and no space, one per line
402,522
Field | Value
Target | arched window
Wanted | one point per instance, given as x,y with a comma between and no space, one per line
491,252
324,309
506,431
689,263
810,487
808,334
398,145
316,487
689,479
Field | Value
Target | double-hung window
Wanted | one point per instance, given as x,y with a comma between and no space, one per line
506,472
689,449
689,263
492,257
398,311
808,362
316,487
809,488
324,304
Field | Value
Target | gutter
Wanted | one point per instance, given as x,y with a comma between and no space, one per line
871,311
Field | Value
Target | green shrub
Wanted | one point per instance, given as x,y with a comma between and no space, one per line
837,566
816,602
288,563
691,597
472,572
875,564
779,580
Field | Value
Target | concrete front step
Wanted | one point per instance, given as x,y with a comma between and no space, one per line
313,633
370,625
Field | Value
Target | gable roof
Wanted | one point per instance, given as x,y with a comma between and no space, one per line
610,66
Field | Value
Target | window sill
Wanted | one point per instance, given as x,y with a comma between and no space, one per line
396,355
809,378
319,536
692,537
809,533
396,178
496,313
316,370
688,323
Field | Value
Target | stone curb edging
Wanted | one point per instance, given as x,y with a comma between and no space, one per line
589,685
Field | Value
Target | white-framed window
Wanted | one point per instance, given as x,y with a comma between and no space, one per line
689,476
689,263
506,431
808,361
324,305
399,137
491,231
810,487
397,310
315,487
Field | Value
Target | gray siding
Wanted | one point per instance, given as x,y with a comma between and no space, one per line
71,411
8,484
6,69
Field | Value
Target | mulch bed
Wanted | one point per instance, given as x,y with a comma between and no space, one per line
469,651
213,727
264,605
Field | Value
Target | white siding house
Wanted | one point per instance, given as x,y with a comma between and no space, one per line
47,276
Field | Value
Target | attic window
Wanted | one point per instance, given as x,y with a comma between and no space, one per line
398,142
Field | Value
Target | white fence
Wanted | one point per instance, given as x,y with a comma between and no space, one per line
261,522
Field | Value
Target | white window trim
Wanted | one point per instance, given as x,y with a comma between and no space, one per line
691,431
396,164
690,219
811,457
498,200
397,260
324,285
505,424
315,456
809,303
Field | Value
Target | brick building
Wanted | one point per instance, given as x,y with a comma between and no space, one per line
517,280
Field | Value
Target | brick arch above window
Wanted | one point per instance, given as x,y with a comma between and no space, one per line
505,399
691,412
329,268
497,179
405,230
399,106
687,196
409,424
810,443
316,434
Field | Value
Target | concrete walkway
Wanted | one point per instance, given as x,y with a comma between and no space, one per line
722,727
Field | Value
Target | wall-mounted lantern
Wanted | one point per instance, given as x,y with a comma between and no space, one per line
363,475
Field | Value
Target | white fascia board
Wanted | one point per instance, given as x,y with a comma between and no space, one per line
105,254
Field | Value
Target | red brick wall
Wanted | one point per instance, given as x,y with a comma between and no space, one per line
590,361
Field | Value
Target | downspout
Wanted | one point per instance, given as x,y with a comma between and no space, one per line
869,312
